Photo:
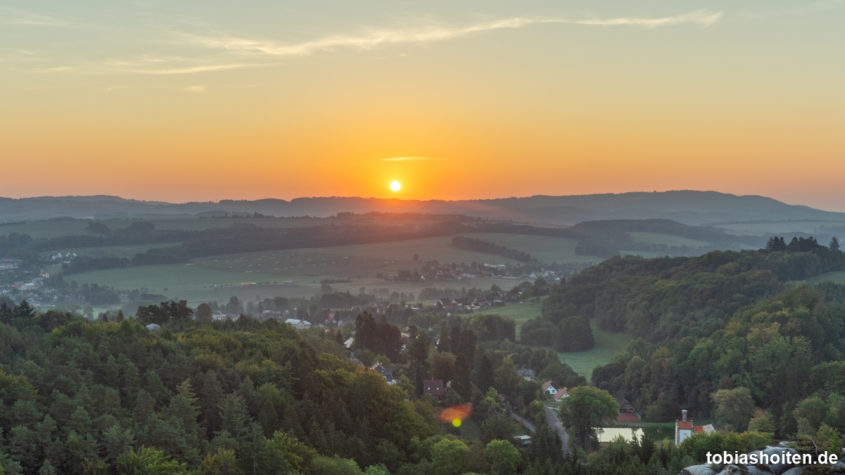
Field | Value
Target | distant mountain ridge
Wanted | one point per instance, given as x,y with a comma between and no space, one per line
685,206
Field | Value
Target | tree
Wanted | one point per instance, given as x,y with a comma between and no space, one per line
503,457
147,461
97,227
809,414
234,307
834,244
584,410
761,421
418,355
449,456
734,407
204,313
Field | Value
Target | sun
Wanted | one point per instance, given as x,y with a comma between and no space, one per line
395,186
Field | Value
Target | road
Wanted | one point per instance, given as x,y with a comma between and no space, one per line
524,422
555,423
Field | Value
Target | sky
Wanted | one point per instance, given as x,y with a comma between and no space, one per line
202,100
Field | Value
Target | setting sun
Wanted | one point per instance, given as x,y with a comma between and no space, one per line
395,185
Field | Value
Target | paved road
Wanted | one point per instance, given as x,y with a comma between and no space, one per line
557,425
525,422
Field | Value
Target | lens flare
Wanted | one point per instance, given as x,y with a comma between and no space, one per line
455,415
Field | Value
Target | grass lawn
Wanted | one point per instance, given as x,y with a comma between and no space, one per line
607,344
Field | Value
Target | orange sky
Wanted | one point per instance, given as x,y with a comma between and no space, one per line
487,101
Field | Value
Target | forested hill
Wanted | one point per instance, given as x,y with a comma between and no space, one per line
669,298
688,207
728,335
242,397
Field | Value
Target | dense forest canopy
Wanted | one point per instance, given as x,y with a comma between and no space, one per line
724,321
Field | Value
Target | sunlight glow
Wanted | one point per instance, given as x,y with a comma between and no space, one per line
395,185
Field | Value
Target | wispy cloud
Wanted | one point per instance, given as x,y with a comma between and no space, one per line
192,69
14,16
379,37
409,159
197,89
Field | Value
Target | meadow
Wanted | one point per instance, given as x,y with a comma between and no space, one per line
607,345
547,249
666,240
519,312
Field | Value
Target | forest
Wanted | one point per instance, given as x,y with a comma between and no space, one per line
733,337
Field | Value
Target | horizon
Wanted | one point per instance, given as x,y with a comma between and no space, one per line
196,101
396,198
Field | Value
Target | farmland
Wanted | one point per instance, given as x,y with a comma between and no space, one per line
547,249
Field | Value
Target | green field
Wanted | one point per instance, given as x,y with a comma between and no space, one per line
199,283
112,251
666,240
52,228
782,227
543,248
835,277
427,249
187,281
607,345
520,312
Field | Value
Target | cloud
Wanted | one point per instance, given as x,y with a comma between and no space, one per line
409,159
14,16
378,37
192,69
197,89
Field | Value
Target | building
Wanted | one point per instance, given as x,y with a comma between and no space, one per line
561,393
298,324
527,374
548,388
435,387
683,428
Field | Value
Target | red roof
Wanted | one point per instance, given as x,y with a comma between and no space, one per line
627,418
561,393
685,425
434,386
698,429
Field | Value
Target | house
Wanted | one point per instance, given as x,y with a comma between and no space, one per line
683,428
435,387
522,440
298,324
527,374
385,371
607,435
548,388
627,417
561,393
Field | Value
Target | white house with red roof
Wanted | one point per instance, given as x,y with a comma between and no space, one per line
685,428
548,388
561,393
